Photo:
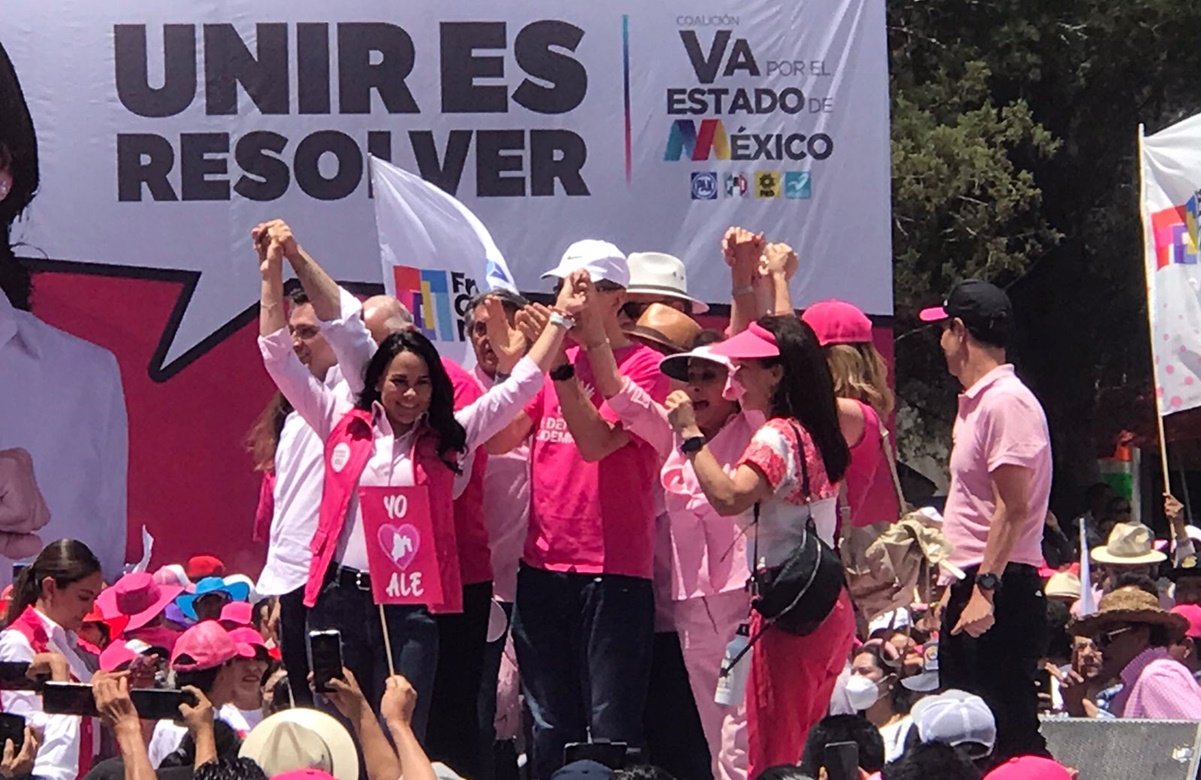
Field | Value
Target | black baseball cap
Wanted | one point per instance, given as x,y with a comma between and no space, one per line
984,308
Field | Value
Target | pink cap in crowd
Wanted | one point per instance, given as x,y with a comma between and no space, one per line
754,343
121,652
207,645
1191,613
1029,768
173,574
838,322
251,638
236,613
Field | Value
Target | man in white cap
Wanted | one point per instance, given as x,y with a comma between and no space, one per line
960,719
657,277
584,615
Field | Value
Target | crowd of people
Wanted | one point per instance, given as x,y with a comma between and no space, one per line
652,544
640,528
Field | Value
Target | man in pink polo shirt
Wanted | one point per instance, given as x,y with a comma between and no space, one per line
584,619
994,621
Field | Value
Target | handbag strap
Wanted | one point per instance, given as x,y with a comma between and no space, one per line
804,463
885,436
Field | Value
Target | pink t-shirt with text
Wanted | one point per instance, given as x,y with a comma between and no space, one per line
593,518
1000,423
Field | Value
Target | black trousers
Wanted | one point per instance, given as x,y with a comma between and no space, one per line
675,738
294,645
453,736
1000,665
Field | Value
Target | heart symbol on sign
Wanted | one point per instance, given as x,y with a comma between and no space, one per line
400,543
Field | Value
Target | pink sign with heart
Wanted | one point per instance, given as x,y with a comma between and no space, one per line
400,543
402,550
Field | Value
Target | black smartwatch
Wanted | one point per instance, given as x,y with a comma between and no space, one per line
989,582
563,373
692,445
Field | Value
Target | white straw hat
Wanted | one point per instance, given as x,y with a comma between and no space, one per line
302,738
1129,544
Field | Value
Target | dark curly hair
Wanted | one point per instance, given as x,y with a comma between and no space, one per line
451,436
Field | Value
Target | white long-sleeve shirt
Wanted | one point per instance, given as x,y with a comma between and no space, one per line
63,403
390,463
299,477
506,509
58,757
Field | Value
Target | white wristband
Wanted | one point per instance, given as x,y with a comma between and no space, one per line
566,323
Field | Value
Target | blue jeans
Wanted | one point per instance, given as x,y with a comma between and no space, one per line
411,630
584,648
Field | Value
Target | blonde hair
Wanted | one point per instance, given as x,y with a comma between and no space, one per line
860,373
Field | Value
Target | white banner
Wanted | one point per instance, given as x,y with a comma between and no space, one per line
1171,178
167,130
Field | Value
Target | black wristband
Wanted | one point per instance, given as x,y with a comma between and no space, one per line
692,445
563,373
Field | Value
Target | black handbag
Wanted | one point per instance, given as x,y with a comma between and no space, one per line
798,595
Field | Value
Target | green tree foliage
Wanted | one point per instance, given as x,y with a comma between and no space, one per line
1032,108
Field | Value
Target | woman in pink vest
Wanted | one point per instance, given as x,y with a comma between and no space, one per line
864,401
709,571
781,372
51,597
401,432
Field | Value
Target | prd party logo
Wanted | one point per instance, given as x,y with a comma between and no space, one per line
437,299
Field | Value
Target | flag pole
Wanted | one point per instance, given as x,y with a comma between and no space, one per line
1145,217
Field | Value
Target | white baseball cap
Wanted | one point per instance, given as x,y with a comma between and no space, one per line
955,717
895,620
603,261
658,273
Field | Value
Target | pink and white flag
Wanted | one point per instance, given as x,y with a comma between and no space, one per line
1171,182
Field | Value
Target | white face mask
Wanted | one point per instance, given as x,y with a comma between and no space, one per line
862,692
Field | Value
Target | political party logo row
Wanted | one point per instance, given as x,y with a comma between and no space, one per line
791,185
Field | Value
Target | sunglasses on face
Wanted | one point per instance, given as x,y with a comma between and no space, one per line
607,287
1105,639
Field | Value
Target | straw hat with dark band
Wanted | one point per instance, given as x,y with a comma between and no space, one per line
666,327
1128,605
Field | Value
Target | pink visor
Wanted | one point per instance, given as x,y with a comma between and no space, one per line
754,343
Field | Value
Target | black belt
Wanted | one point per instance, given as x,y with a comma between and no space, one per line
350,578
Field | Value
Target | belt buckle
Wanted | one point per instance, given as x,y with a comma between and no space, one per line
359,580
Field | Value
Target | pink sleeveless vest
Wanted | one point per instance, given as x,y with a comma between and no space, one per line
353,438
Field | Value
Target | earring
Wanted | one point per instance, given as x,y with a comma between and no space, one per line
6,184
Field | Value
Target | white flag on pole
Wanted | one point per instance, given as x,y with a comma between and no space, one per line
436,255
1171,180
1088,604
